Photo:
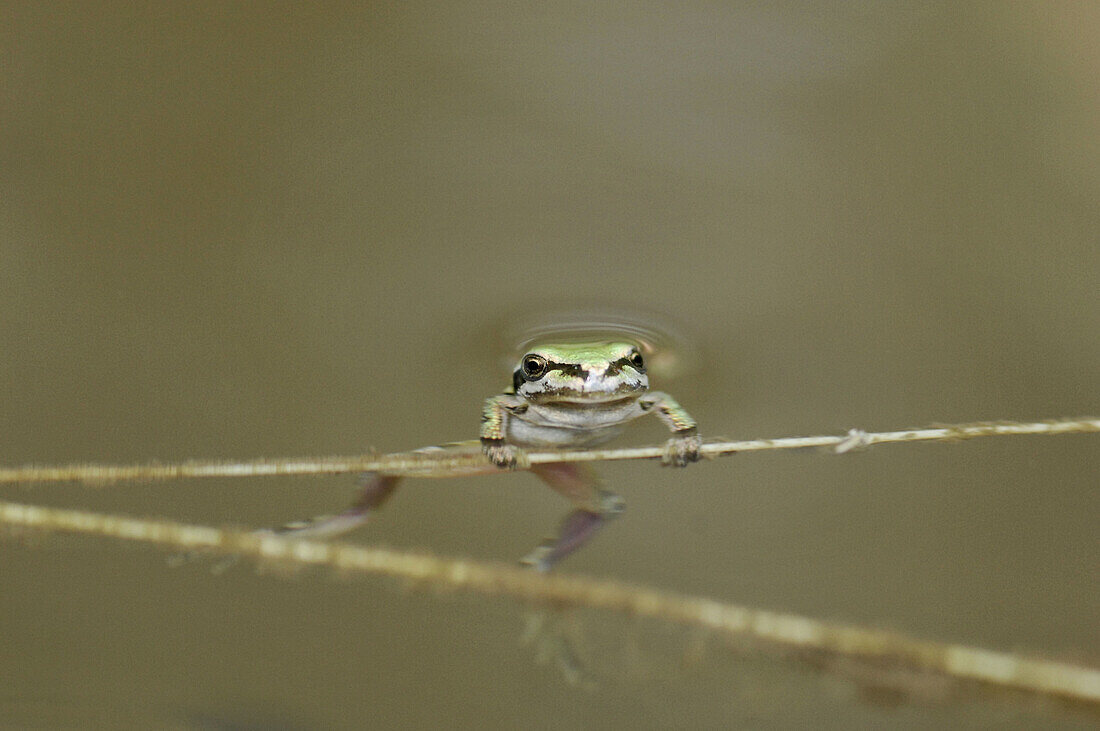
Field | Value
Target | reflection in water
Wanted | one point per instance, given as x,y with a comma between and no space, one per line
263,719
671,347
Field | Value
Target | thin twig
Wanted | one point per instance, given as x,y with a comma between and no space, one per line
451,463
774,632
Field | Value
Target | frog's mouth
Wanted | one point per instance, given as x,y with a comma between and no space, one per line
588,404
570,398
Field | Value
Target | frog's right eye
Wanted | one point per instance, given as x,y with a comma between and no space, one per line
533,367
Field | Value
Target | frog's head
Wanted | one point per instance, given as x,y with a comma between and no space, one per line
580,373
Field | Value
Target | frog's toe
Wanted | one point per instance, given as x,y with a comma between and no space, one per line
506,456
541,559
683,450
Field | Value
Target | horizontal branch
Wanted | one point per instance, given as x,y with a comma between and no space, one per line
775,633
469,460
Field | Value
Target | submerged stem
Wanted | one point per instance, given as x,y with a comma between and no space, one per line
828,645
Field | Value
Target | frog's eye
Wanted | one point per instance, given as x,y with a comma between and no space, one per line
637,362
533,367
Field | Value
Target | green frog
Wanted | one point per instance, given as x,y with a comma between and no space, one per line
563,396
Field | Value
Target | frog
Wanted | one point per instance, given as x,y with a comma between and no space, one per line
578,395
564,395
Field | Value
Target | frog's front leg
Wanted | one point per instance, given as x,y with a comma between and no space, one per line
494,426
684,445
594,507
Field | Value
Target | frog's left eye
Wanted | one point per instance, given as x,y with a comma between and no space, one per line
637,361
533,367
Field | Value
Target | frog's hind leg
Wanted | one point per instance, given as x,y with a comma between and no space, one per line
594,506
374,490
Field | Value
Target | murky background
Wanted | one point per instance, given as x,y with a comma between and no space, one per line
275,230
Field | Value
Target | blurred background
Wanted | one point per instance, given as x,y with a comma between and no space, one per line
263,229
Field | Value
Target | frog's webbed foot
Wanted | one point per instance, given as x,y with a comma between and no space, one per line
545,630
505,456
374,490
577,528
682,450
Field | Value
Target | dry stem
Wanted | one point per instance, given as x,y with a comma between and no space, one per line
451,463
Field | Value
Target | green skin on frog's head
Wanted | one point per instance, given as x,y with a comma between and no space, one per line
581,373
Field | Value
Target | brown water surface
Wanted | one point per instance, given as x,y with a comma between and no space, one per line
242,230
